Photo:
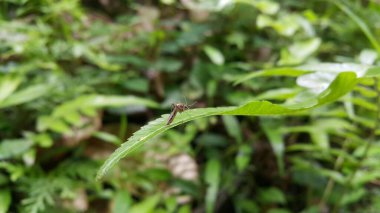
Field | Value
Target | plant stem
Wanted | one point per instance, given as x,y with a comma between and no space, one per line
330,184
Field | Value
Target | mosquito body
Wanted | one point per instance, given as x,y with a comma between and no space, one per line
179,107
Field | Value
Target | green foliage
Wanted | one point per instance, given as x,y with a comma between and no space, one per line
342,84
286,117
5,197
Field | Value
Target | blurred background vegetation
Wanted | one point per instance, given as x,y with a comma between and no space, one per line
77,78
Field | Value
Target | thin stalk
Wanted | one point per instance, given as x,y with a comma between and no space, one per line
331,183
123,127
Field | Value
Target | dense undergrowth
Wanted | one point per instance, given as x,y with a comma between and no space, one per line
285,117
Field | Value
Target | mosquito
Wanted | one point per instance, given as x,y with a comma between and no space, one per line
178,107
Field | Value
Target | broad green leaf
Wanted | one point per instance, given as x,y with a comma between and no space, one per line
214,54
137,84
15,171
284,25
353,196
167,65
8,84
184,209
363,177
119,101
247,205
25,95
343,84
371,72
368,56
11,148
170,204
278,210
5,199
237,38
320,137
299,51
148,205
122,202
42,139
266,6
271,195
50,123
168,1
101,60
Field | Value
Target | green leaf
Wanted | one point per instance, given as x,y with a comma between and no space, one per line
285,25
42,139
232,126
137,84
212,178
148,205
167,64
274,134
299,51
122,202
343,84
14,170
247,205
373,72
368,56
119,101
237,38
272,195
278,94
353,196
8,84
361,70
69,113
214,54
243,157
282,71
184,209
25,95
268,7
278,210
10,148
5,200
107,137
45,122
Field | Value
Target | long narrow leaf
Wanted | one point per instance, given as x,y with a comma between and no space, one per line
26,95
343,84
